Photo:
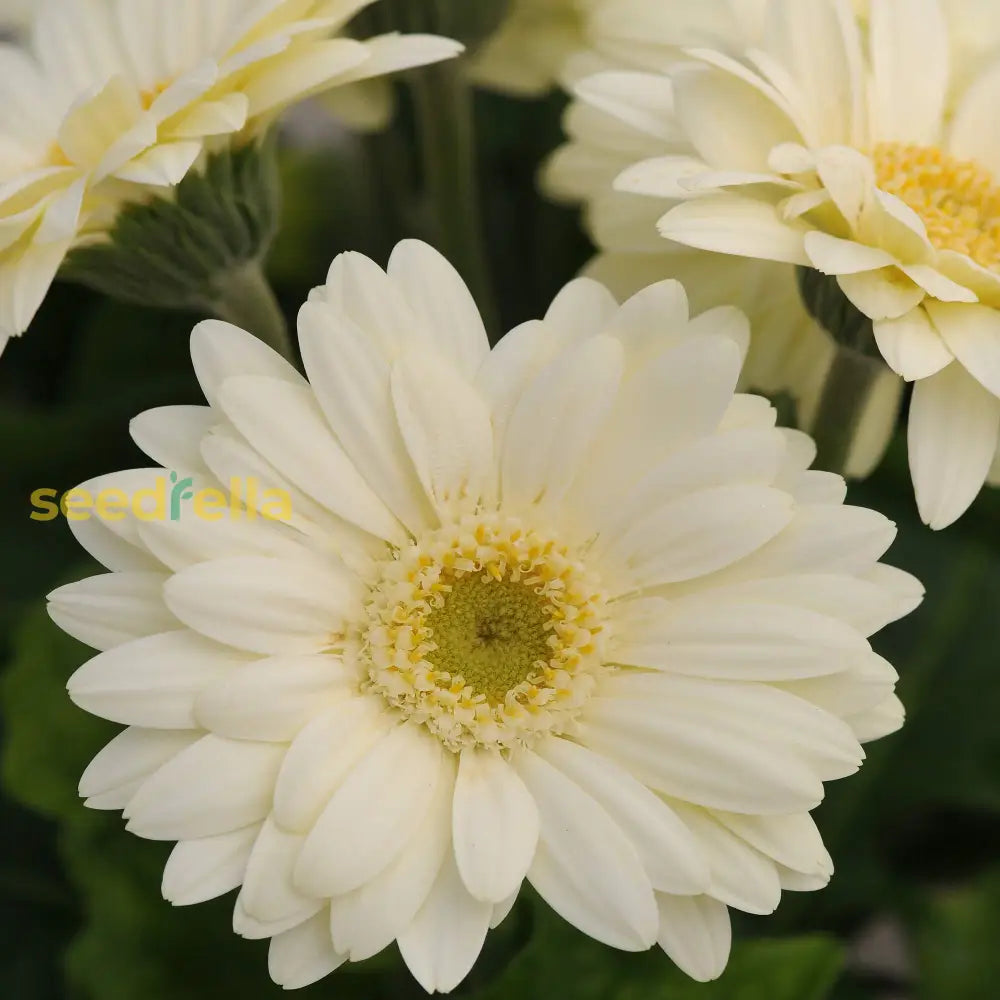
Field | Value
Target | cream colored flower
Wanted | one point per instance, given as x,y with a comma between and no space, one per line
835,148
789,352
568,610
114,98
543,43
527,54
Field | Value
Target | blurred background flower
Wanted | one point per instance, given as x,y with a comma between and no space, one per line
112,103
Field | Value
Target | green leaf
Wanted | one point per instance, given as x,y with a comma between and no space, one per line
561,961
956,933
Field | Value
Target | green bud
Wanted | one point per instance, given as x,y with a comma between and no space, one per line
177,252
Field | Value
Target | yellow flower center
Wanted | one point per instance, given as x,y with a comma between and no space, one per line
957,200
486,632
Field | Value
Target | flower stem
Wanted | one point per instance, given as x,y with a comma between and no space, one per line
848,387
246,299
444,107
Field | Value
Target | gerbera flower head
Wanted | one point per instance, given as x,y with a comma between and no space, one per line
854,147
570,611
114,99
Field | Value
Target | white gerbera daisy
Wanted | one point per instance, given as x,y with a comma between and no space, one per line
116,96
853,152
568,610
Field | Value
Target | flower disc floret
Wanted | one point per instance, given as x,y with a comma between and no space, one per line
487,632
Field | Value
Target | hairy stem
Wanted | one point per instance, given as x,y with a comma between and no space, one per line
444,108
246,299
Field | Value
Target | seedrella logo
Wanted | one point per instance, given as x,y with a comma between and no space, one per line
170,497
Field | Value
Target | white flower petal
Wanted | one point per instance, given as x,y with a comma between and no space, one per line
974,134
111,609
441,301
866,605
695,932
953,431
682,758
745,456
735,224
214,786
322,756
200,870
555,422
254,603
301,447
350,843
675,399
360,289
131,757
972,334
445,938
832,255
700,533
733,126
650,322
365,921
741,876
351,379
110,549
661,177
272,699
268,894
911,346
909,53
793,841
938,285
171,435
581,310
819,739
821,538
749,641
883,294
494,826
153,681
190,540
447,430
671,856
220,351
643,100
303,955
586,868
882,720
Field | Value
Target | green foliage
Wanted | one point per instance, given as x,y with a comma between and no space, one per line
803,968
956,933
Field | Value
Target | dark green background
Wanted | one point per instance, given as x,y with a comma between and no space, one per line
915,837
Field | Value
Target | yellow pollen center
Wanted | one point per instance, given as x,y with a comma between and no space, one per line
485,632
957,200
